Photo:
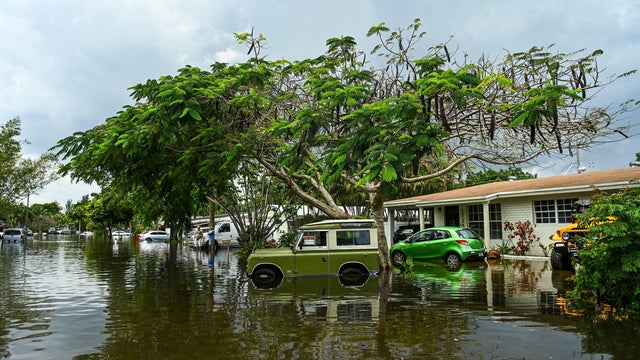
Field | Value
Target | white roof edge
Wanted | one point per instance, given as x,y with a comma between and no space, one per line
511,194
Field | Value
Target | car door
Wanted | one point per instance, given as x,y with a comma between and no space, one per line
432,244
420,244
312,253
440,243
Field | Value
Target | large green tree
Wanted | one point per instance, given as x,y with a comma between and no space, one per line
165,152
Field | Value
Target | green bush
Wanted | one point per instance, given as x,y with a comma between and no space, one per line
609,270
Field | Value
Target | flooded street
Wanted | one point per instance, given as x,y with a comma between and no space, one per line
70,298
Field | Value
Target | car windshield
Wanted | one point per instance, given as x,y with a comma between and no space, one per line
468,234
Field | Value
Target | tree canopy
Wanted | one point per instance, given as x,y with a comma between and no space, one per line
20,176
339,127
491,175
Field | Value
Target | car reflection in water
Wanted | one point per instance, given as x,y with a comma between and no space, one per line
347,280
436,281
12,248
153,247
327,297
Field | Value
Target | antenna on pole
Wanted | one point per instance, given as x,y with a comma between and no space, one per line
581,169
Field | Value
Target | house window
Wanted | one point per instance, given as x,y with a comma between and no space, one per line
553,211
476,220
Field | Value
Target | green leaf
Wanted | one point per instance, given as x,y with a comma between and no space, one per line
389,174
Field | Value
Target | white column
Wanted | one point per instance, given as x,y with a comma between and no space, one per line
487,229
392,226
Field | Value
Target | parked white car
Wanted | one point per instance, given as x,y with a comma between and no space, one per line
14,235
154,236
120,233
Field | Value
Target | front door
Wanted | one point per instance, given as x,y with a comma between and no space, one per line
452,216
312,255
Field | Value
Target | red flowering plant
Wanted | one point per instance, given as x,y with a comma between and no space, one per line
523,232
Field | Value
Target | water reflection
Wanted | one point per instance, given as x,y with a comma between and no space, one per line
65,297
438,282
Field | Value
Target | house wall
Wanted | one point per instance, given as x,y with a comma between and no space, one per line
522,210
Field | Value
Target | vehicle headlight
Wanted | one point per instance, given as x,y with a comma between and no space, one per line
565,236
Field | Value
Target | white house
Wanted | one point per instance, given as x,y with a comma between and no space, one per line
546,202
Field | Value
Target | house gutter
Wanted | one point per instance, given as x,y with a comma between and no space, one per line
512,194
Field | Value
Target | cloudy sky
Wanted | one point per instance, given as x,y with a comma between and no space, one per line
66,65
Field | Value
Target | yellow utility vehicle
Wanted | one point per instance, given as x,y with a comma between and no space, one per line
567,240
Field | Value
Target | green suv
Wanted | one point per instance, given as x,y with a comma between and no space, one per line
346,248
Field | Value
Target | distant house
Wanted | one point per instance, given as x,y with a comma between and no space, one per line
546,202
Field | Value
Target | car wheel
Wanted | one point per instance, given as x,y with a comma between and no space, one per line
453,259
353,276
560,261
398,257
266,278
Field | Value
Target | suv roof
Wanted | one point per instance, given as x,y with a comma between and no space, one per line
341,224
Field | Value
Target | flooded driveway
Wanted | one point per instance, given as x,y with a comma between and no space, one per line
70,298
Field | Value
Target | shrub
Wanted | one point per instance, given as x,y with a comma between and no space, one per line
524,233
609,269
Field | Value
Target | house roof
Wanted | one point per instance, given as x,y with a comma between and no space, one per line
574,183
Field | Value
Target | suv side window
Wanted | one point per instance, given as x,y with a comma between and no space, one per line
353,237
226,227
314,238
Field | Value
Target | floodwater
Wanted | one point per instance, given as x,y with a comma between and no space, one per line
72,298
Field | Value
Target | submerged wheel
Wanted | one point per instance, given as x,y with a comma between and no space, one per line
452,259
560,260
353,276
266,278
398,257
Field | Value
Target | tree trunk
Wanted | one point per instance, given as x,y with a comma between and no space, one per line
212,213
376,202
212,224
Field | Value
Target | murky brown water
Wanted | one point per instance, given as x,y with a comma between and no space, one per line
64,298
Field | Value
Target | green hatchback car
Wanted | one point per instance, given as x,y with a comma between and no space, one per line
346,248
451,244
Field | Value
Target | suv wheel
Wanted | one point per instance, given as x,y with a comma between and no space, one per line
560,260
266,278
